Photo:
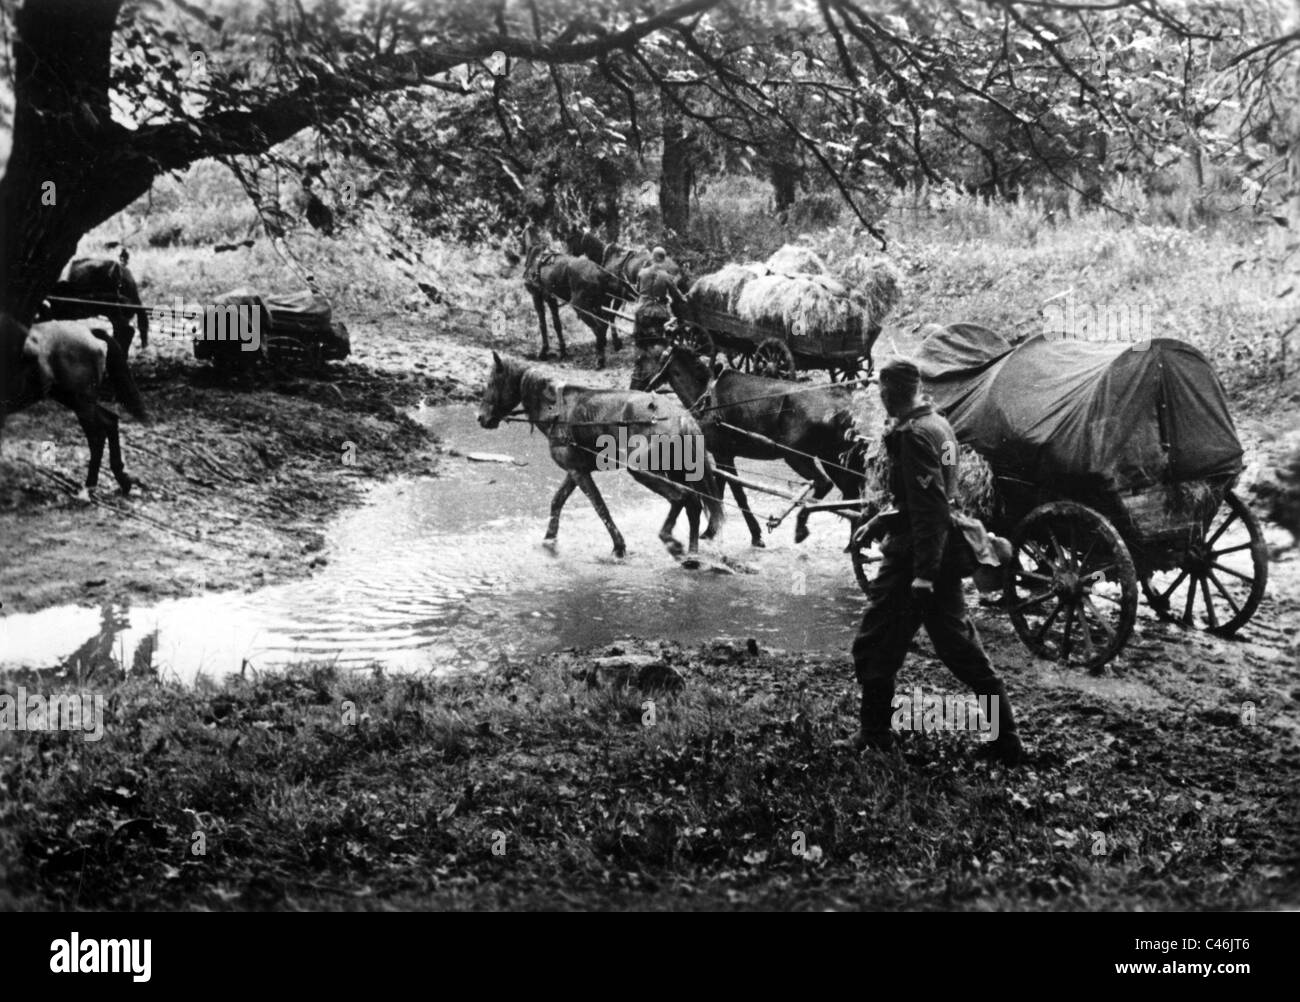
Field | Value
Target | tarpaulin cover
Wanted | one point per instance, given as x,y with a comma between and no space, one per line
299,311
1080,415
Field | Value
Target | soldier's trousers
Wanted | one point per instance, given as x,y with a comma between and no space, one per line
893,616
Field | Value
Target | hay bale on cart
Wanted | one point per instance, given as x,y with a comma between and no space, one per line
771,319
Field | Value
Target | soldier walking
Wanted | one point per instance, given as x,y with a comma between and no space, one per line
919,580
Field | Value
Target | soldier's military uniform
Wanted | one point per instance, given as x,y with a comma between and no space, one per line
656,292
920,542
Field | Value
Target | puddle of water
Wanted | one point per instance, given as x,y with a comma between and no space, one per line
449,572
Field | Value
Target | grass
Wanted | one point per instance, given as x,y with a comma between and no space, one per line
318,789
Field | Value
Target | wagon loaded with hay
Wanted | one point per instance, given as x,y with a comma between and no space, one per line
1111,469
792,313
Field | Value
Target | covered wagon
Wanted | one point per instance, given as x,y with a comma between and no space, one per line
1114,465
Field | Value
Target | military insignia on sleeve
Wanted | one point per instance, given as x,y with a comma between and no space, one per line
924,481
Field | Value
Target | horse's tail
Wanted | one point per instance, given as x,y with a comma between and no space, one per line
119,374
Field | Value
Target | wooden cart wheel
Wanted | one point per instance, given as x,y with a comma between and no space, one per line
696,339
774,359
1071,587
1220,577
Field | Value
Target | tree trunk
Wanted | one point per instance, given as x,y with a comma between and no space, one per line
675,173
785,180
611,189
62,178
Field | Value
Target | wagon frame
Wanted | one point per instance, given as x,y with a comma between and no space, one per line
769,350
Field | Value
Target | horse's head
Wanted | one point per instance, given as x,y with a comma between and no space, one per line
502,393
681,367
581,242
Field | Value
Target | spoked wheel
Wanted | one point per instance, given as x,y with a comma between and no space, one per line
844,373
1220,577
696,339
1071,588
774,359
738,360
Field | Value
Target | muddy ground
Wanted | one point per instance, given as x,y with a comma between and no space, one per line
236,478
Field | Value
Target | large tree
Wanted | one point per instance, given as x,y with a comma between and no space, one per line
109,94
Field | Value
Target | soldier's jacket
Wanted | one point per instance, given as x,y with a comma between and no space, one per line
655,287
923,486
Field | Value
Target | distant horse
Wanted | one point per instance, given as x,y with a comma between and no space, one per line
621,265
550,277
98,287
806,427
574,419
67,362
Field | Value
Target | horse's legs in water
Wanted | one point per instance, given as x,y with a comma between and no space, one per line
540,306
728,465
693,507
559,331
666,530
593,495
809,469
557,506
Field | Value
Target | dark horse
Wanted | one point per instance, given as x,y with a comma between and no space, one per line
550,277
579,424
67,362
621,265
808,427
99,287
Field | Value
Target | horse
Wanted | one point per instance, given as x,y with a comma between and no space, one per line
98,287
580,423
762,418
549,277
67,362
621,266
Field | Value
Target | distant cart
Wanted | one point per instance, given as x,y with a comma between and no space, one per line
292,328
771,350
1114,466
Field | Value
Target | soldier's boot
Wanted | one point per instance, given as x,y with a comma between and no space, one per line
874,717
1006,748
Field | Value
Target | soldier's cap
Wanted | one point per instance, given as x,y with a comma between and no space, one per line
658,253
901,372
